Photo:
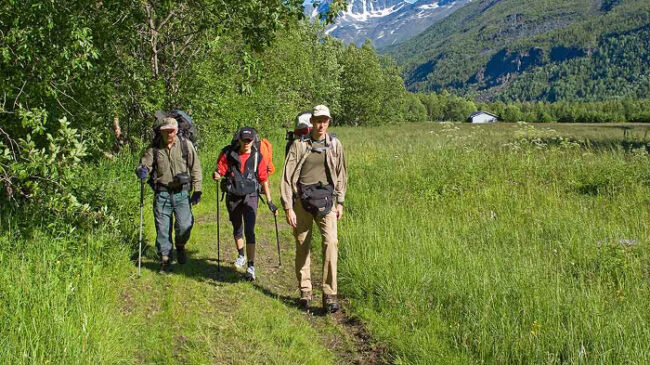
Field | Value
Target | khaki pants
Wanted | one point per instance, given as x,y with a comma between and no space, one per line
302,233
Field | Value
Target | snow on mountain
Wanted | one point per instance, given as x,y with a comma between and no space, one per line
385,22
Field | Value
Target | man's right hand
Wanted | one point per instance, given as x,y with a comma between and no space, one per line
216,176
291,218
142,172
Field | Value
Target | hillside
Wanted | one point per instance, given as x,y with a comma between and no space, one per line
534,50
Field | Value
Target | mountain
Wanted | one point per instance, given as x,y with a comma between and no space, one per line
385,22
534,50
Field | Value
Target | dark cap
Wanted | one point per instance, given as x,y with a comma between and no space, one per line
247,133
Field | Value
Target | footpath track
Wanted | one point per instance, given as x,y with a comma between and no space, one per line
199,315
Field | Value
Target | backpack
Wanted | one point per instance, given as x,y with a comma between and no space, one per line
305,145
235,182
186,127
186,131
262,145
302,119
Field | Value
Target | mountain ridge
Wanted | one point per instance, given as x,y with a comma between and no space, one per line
526,50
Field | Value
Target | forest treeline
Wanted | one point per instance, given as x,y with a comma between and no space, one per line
445,106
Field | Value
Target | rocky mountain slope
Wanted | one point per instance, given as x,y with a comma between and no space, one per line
534,50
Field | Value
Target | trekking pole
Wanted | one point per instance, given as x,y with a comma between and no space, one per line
218,234
277,239
141,223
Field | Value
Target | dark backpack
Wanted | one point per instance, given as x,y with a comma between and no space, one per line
235,182
186,126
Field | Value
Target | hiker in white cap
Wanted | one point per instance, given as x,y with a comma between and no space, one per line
314,181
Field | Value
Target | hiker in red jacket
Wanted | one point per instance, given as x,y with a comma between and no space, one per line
244,171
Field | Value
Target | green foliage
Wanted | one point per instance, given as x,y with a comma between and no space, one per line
435,108
40,170
617,68
511,114
361,91
457,108
60,266
415,110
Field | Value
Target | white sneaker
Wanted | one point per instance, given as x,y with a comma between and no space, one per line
250,273
240,261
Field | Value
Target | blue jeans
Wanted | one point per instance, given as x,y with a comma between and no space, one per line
165,204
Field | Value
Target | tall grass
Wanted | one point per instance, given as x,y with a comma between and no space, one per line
497,244
58,281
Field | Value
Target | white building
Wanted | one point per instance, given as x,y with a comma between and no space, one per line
482,117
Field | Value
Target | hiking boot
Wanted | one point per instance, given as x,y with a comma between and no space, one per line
250,273
165,265
305,299
181,255
330,304
240,261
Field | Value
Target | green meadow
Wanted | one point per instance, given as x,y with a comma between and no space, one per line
499,243
460,244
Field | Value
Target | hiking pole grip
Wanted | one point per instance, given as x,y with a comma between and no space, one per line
141,223
277,239
218,234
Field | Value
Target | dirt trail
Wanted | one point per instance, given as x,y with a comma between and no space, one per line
197,311
344,335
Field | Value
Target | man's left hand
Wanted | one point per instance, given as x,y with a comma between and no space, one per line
339,212
272,208
196,198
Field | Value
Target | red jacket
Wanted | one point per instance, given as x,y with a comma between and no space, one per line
262,170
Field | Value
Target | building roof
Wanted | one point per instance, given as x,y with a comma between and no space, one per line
482,112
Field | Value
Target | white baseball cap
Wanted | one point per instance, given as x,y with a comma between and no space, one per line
321,110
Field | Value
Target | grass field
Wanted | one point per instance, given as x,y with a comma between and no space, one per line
499,243
460,244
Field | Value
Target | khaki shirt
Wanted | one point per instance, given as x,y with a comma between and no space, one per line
335,164
170,163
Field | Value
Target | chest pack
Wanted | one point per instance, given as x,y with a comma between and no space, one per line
239,183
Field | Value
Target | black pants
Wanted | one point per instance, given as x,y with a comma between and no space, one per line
242,212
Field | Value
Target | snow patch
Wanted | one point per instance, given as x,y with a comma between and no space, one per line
370,14
429,6
330,30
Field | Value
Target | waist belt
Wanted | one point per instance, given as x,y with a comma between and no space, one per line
162,188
